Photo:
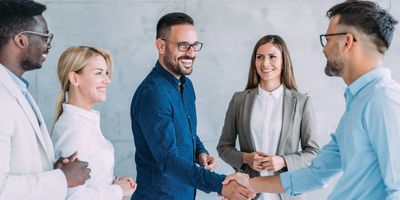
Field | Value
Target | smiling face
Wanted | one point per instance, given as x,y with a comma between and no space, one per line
179,63
92,81
269,64
35,54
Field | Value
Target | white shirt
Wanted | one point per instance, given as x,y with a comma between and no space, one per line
78,129
266,125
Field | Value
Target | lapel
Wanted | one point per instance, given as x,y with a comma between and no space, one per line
249,98
289,105
40,131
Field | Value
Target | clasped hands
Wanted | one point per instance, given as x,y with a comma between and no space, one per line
260,161
127,185
76,172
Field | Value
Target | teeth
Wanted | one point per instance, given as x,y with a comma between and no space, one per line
186,61
44,55
267,70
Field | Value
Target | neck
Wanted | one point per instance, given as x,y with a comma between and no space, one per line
270,85
78,101
8,59
359,67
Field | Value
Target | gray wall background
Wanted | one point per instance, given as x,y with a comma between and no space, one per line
229,30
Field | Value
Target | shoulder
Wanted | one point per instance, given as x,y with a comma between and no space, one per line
300,97
69,128
241,95
151,89
385,94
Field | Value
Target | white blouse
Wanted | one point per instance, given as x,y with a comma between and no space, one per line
78,129
266,125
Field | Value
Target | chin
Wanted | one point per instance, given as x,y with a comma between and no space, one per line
101,99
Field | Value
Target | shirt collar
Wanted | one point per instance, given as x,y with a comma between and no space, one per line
365,79
21,82
92,115
275,94
171,78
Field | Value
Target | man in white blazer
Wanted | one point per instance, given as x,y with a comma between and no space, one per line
26,152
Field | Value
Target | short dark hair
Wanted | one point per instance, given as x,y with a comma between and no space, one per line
171,19
17,16
369,18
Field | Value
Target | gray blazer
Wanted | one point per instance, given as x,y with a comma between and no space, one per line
298,130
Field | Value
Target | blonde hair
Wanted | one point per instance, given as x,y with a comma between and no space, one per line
74,59
287,76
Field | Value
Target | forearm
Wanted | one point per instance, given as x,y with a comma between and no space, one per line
271,184
189,173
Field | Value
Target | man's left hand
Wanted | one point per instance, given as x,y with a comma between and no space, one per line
207,161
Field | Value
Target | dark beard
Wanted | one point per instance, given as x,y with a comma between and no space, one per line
174,67
27,65
334,68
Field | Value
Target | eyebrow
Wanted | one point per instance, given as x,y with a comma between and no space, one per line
99,69
273,53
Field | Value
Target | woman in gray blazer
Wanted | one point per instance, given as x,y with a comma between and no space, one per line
274,123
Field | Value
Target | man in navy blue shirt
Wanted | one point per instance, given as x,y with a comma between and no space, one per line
163,114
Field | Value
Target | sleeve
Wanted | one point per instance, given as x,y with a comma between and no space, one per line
308,139
383,129
227,142
109,192
42,185
154,115
199,148
71,138
326,165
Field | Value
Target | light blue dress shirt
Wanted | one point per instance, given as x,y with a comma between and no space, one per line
365,146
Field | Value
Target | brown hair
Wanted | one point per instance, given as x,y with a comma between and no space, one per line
287,77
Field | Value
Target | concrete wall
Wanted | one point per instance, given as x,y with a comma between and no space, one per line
229,30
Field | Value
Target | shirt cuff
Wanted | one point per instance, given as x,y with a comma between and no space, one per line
117,191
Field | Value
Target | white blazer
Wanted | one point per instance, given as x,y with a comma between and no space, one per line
26,151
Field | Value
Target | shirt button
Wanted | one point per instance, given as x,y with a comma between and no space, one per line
188,116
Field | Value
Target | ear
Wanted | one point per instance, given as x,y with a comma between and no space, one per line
160,44
350,41
73,79
21,41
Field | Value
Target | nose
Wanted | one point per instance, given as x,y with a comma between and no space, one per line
190,52
106,80
265,62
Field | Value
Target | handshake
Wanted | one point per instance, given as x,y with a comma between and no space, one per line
237,187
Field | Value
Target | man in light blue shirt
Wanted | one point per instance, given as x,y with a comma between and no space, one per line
366,143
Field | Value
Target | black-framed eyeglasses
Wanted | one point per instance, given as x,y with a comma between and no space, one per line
324,41
185,46
47,36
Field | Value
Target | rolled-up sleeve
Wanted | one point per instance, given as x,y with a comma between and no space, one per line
326,165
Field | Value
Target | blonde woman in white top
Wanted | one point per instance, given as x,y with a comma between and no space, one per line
84,74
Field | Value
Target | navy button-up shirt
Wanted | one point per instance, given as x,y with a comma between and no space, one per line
163,117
